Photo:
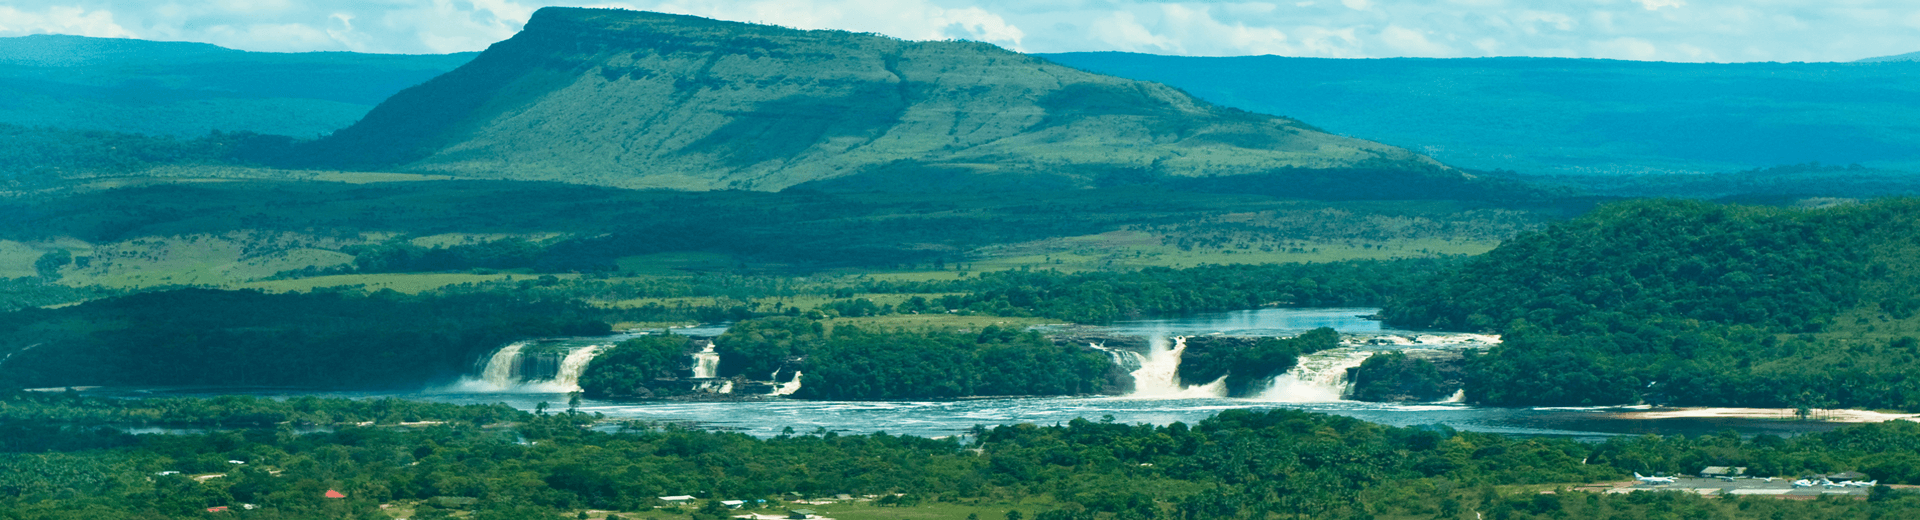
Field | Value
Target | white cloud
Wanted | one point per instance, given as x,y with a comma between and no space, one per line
1675,30
1409,42
61,20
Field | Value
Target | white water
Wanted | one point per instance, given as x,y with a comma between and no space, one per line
1459,396
1122,358
1159,374
789,387
706,363
502,373
567,379
1320,377
502,368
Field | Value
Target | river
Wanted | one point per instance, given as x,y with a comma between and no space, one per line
769,416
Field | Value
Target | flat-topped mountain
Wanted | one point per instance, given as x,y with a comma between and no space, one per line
647,100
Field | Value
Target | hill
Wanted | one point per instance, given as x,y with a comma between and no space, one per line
646,100
1571,116
1911,56
1696,304
189,89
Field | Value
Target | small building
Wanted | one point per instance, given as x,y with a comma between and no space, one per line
733,504
217,509
1722,471
677,499
802,514
335,494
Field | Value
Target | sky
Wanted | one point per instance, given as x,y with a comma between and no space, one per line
1657,30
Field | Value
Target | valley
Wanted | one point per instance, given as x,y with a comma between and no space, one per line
650,266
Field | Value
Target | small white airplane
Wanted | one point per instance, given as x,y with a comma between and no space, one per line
1654,480
1802,483
1856,483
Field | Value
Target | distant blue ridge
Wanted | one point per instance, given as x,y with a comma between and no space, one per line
1557,116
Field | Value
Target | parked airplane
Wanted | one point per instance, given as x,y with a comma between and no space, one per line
1654,480
1856,483
1802,483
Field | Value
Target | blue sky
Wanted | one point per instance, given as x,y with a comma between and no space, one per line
1664,30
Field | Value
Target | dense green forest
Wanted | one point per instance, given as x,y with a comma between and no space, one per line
39,158
630,368
235,338
1693,303
1237,465
1249,367
1395,376
850,362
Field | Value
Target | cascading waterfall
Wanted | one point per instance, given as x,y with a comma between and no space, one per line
1122,358
789,387
1459,396
1320,377
513,369
706,363
1159,373
567,377
502,368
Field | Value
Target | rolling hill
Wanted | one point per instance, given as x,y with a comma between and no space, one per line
189,89
646,100
1572,117
1691,303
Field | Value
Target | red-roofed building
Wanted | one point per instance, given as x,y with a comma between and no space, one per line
335,494
217,509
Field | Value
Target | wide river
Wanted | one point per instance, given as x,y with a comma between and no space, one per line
770,416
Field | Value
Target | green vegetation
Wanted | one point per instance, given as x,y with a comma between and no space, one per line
41,158
1394,376
241,231
1237,465
850,362
629,368
329,340
1249,367
1693,303
883,115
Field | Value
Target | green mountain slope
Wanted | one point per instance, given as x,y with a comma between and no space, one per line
189,89
645,100
1571,116
1695,303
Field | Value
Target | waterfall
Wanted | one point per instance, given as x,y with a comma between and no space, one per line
716,387
1122,358
1459,396
1320,377
789,387
513,369
567,377
1159,373
503,366
706,363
